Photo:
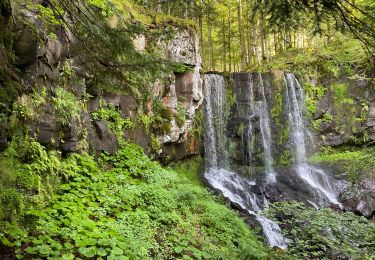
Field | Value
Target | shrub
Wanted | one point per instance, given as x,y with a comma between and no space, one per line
324,233
66,106
128,205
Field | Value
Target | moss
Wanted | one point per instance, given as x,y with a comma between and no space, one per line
180,115
28,178
11,204
285,158
113,117
192,168
340,92
241,128
284,135
277,107
180,67
354,163
155,143
233,149
160,109
9,88
197,129
169,20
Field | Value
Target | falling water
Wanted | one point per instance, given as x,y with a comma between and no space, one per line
265,130
257,116
249,137
318,181
234,187
214,135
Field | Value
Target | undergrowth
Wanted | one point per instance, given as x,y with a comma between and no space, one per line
353,163
122,206
324,233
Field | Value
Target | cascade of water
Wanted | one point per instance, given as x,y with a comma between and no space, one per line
265,130
250,128
214,135
318,181
234,187
238,190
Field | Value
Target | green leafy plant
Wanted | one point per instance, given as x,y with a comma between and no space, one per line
180,115
66,106
116,122
127,206
324,233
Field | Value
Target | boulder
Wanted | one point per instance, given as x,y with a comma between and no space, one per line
360,198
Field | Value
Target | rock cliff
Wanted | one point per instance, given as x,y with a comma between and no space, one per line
73,114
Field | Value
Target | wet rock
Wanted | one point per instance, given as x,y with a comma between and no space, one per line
333,139
25,46
47,130
360,198
53,52
69,141
101,138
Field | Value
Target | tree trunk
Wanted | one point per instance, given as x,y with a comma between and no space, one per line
210,46
224,48
240,31
262,37
250,51
229,42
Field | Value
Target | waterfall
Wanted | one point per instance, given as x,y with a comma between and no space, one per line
316,179
265,130
236,188
249,137
214,125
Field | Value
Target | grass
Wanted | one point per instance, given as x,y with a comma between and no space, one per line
354,163
191,168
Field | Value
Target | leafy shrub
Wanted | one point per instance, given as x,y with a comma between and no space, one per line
27,107
116,122
162,117
324,233
29,175
66,106
180,116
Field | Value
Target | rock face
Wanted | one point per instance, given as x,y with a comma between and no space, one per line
343,113
360,198
42,63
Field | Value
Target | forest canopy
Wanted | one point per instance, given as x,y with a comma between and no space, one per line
236,34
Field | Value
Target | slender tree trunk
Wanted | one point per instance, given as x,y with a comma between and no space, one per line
200,24
224,48
240,31
262,37
250,51
210,45
275,42
229,42
255,44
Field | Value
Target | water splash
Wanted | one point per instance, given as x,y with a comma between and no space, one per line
238,190
318,181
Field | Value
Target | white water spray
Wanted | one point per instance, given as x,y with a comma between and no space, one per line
318,181
234,187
